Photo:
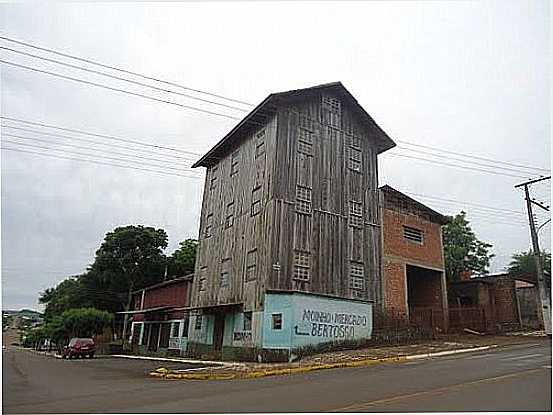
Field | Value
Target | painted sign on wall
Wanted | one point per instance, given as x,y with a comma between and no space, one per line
311,319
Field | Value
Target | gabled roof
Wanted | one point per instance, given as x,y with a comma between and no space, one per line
435,216
260,114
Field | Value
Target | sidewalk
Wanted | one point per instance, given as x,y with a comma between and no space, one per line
353,358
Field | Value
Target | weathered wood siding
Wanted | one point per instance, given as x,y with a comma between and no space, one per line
325,233
226,250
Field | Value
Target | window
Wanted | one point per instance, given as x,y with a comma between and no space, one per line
325,191
213,183
303,199
356,276
306,122
248,321
198,322
225,273
251,265
256,200
354,141
208,225
355,213
305,142
175,329
331,110
305,148
354,159
302,265
413,234
260,143
229,220
234,161
277,321
202,280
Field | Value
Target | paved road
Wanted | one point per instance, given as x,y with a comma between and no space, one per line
517,378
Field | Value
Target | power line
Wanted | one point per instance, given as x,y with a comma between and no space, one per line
467,203
109,137
473,156
462,160
70,78
455,165
122,70
97,162
95,155
67,137
93,149
122,79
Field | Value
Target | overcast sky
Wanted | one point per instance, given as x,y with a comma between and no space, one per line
469,77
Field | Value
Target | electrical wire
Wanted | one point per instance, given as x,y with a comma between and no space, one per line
70,78
121,79
121,70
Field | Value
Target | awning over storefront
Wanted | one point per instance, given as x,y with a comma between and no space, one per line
211,309
148,310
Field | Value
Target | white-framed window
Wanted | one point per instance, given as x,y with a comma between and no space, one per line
332,108
234,162
302,265
251,265
413,234
355,213
229,220
354,159
357,276
256,200
260,143
247,321
303,199
175,329
208,225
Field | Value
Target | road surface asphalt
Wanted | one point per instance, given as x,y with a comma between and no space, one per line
515,378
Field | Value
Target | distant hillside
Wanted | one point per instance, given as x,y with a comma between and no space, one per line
25,312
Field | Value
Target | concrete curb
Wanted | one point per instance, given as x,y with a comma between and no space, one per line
177,360
167,374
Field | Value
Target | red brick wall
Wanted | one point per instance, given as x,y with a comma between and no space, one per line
505,301
395,293
174,295
429,253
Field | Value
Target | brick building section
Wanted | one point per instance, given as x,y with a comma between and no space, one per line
413,272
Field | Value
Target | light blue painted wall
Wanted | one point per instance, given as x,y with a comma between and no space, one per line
205,334
309,320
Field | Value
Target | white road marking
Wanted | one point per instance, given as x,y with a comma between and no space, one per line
479,356
526,356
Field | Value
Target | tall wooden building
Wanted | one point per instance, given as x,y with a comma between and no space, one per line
289,246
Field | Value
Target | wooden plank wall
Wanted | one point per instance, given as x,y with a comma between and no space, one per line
228,247
325,233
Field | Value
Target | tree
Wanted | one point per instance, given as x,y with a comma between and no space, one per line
463,251
524,263
183,260
66,295
129,258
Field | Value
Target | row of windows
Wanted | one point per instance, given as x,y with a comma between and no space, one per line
226,275
247,322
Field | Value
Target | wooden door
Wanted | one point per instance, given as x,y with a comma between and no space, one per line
218,332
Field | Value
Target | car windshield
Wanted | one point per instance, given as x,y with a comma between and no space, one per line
84,342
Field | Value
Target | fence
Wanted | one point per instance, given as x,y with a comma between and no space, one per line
474,318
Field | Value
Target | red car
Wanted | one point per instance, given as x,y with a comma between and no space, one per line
79,347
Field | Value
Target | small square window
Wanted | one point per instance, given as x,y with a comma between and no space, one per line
198,322
229,220
224,279
277,321
355,214
256,200
355,159
303,199
260,143
357,276
302,265
234,161
251,265
208,225
305,148
413,234
248,321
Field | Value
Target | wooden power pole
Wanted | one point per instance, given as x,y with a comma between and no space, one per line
544,297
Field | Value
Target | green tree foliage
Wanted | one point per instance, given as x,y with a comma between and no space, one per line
66,295
183,260
524,263
462,249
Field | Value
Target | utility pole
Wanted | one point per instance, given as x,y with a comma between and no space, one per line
544,298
